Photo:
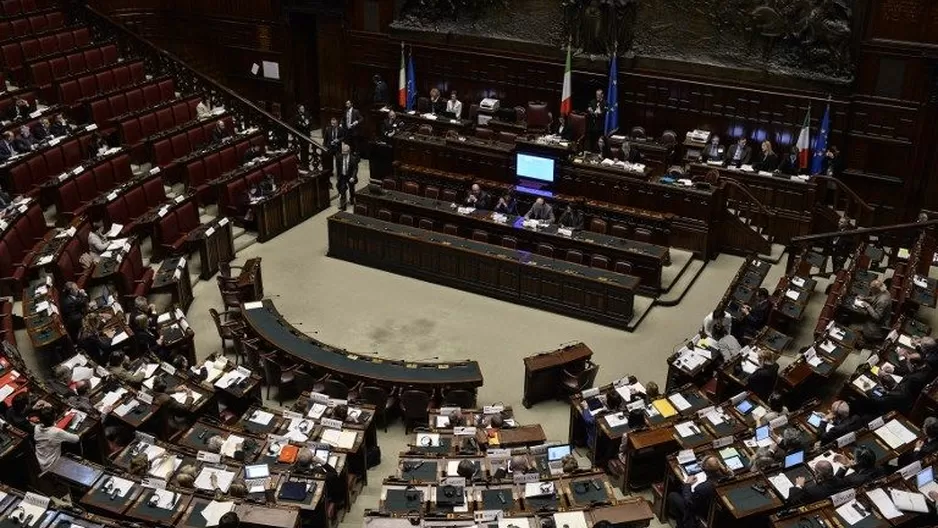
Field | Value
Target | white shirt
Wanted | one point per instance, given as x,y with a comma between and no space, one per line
708,324
454,107
729,347
97,243
49,442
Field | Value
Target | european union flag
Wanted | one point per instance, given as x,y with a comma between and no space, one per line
820,144
612,98
411,84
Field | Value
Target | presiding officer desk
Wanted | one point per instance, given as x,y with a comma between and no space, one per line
644,260
264,321
575,290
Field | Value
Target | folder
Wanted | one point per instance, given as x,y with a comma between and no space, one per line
664,407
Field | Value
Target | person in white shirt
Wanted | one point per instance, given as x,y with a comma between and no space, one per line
718,315
454,105
49,439
97,240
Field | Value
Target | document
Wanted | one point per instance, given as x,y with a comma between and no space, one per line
905,341
715,417
664,407
34,506
339,438
317,410
204,480
122,486
111,398
127,408
908,501
883,503
686,429
864,383
701,478
895,434
538,489
232,444
261,417
148,369
782,483
791,294
166,467
617,419
572,519
679,401
165,499
850,512
215,509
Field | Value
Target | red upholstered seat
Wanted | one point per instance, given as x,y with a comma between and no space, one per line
122,170
196,137
149,125
87,188
21,180
195,174
164,119
130,131
105,81
135,99
12,56
118,104
117,212
180,145
180,113
87,86
153,188
59,67
162,152
123,75
71,155
103,177
109,54
76,62
82,37
212,167
166,233
229,159
151,94
167,89
53,157
137,72
136,202
100,111
41,73
69,92
37,170
37,222
68,198
188,217
289,168
94,59
48,45
229,199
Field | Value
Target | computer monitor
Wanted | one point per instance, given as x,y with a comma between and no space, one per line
794,459
258,471
762,433
557,452
535,169
924,477
744,406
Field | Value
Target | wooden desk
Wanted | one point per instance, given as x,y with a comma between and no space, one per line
215,244
737,504
543,373
250,281
173,277
644,260
525,435
292,204
644,456
489,158
579,291
253,515
631,512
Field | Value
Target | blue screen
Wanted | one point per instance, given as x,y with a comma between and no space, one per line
535,167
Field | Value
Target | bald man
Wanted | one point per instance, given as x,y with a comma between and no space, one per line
825,485
477,198
877,312
694,499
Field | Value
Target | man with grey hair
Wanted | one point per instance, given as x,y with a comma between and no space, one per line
876,309
838,422
825,485
924,446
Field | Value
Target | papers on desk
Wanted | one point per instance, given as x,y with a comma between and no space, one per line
224,478
153,451
617,419
165,467
903,253
261,417
465,210
837,333
850,512
701,478
864,383
792,294
908,501
538,489
126,408
625,392
812,358
44,260
664,408
715,417
884,504
442,422
121,486
428,440
231,377
748,366
165,499
747,168
82,373
112,398
920,281
687,429
905,341
147,369
34,506
679,401
182,395
895,434
783,484
214,511
342,439
119,338
231,444
572,519
798,281
317,410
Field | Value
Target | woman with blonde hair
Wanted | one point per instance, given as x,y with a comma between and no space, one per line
768,162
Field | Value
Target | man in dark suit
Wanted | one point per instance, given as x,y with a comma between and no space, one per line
563,129
437,103
74,304
6,146
863,466
791,162
24,141
20,109
478,198
833,162
41,130
541,210
380,96
507,205
825,485
346,176
739,154
59,126
923,446
714,151
841,422
220,133
755,316
391,125
571,218
762,381
351,124
301,121
597,116
695,498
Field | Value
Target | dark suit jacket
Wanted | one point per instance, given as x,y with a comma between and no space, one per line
541,212
218,135
572,219
847,425
6,149
511,208
709,154
757,318
768,163
835,166
566,132
762,381
353,127
815,492
744,157
389,127
20,112
790,166
438,106
352,174
22,145
59,129
41,132
332,138
483,201
858,477
698,501
597,122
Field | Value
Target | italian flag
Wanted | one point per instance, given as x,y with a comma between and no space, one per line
402,82
804,141
566,104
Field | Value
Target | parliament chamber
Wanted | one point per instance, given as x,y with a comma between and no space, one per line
468,263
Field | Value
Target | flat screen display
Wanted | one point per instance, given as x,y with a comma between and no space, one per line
535,167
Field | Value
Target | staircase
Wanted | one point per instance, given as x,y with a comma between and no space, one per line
746,224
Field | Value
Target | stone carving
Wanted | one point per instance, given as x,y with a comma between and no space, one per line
454,8
600,26
820,28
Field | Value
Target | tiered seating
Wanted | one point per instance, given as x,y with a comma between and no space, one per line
43,73
23,227
133,99
232,194
107,79
134,129
178,147
24,25
17,53
171,231
74,194
40,166
21,7
134,201
134,278
8,99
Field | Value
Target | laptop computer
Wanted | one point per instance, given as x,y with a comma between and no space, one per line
557,452
744,406
925,481
257,471
762,433
794,459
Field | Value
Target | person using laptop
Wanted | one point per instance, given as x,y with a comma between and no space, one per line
863,465
839,422
695,498
826,483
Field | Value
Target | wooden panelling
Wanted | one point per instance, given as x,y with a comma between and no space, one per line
905,20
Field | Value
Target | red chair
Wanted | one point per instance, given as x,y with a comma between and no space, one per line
104,81
122,170
100,111
123,75
86,187
180,113
181,145
69,91
167,90
195,174
135,99
229,159
164,119
137,203
148,125
103,178
137,72
163,152
55,164
118,104
116,212
154,191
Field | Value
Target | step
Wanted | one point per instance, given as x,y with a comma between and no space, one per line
778,251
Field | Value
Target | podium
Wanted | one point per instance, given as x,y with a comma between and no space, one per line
543,373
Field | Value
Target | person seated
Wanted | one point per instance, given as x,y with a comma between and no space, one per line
229,520
146,341
6,146
48,439
20,110
437,104
94,338
923,446
714,151
117,366
571,218
507,205
220,132
185,477
98,146
254,152
926,348
477,198
739,154
876,312
602,148
143,307
718,314
727,344
695,498
628,154
839,422
541,210
20,413
174,415
569,464
768,161
391,125
24,141
59,126
762,381
98,241
139,465
562,129
42,131
767,456
791,163
755,316
214,443
454,105
863,466
826,483
902,394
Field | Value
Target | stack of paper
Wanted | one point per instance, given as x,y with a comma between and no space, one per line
679,401
261,417
895,434
851,512
165,499
572,519
884,504
664,408
687,429
339,438
617,419
908,501
538,489
223,478
214,511
34,506
232,444
782,483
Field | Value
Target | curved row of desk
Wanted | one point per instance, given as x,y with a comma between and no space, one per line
265,321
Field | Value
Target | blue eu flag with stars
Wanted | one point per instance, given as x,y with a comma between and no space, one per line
411,84
612,98
820,144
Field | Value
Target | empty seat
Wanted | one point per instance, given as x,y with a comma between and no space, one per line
574,256
411,187
643,234
598,225
624,267
384,214
431,192
450,229
480,236
510,242
599,261
407,220
545,250
448,195
621,231
425,223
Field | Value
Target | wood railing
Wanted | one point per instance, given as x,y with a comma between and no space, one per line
845,199
190,81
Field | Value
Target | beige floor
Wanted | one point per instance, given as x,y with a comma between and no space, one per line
373,312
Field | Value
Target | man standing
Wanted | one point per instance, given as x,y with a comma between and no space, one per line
351,124
597,115
332,137
301,122
346,176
